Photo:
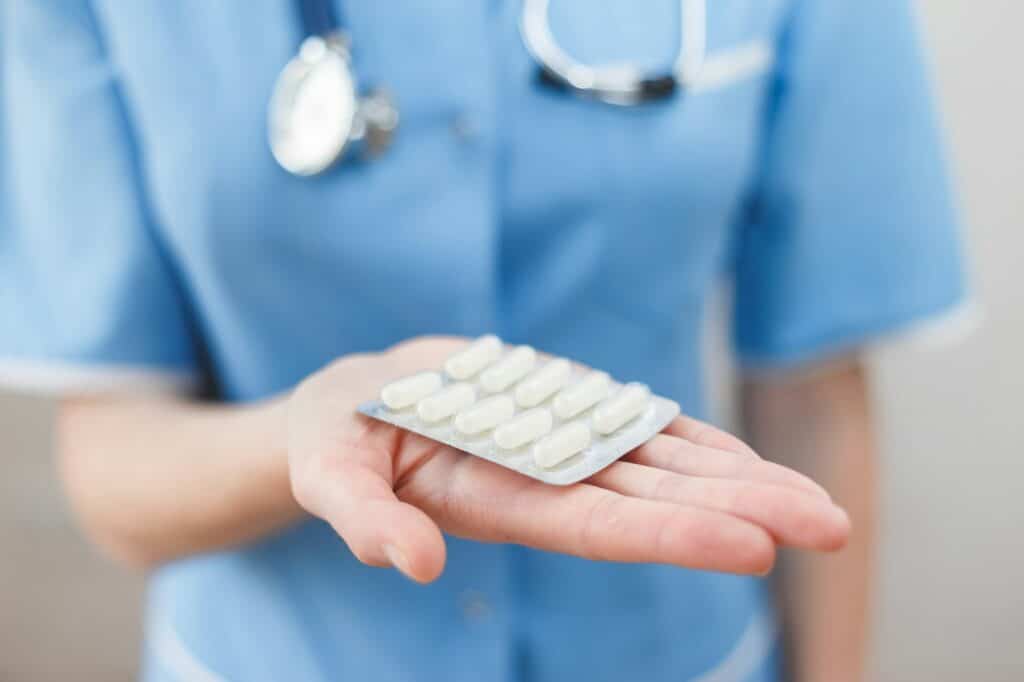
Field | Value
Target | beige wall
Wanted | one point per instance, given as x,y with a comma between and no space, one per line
952,562
953,559
64,613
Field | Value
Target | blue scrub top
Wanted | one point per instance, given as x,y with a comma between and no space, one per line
148,236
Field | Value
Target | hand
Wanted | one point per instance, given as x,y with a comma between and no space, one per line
692,496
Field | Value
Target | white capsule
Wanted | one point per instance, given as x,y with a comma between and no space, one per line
561,444
516,364
474,357
446,402
536,388
485,415
527,427
625,405
585,393
405,392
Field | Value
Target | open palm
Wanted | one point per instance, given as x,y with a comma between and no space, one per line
693,496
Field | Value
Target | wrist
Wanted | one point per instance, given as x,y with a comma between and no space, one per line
269,426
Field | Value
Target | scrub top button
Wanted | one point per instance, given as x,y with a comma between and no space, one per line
474,605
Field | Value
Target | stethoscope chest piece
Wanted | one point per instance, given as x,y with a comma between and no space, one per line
316,114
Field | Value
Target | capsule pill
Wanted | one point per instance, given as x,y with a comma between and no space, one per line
446,402
544,417
561,444
408,391
485,415
584,394
473,358
538,387
616,411
526,428
516,364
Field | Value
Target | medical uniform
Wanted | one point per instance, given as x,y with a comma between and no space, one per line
150,240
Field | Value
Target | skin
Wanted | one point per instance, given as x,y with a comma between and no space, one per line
157,480
825,599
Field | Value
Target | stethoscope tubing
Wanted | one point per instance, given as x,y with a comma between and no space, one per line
620,84
373,117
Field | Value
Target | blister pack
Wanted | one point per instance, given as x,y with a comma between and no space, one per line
546,417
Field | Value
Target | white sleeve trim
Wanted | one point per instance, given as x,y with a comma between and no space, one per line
944,330
63,378
947,329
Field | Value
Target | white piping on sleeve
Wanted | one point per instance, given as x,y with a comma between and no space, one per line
62,378
945,330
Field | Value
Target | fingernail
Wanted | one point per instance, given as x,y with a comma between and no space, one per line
845,522
397,559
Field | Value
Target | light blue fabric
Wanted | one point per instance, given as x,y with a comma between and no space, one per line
146,224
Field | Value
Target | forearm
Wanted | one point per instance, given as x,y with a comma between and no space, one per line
822,426
153,480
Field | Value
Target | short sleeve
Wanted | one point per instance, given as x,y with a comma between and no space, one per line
88,300
852,232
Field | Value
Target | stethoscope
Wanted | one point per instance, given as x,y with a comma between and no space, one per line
319,115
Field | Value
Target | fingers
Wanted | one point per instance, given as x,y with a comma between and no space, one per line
684,457
489,503
357,500
619,528
702,433
421,353
791,515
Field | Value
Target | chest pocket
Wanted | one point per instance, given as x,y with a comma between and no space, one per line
655,184
740,35
706,131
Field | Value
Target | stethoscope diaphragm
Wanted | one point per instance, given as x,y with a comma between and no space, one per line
316,114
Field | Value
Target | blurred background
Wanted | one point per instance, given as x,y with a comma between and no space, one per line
951,606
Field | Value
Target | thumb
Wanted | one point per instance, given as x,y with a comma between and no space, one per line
361,506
